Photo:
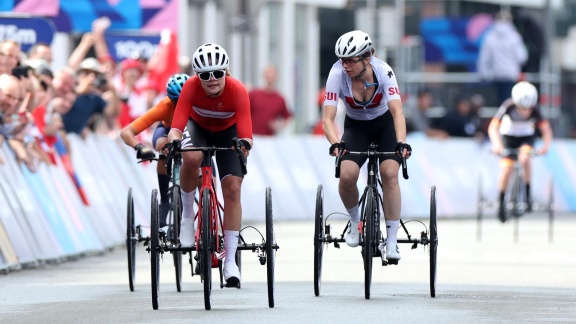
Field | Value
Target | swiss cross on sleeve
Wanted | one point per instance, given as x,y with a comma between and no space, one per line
390,74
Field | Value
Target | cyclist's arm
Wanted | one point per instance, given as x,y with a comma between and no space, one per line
329,125
494,133
156,113
243,116
547,136
331,103
395,107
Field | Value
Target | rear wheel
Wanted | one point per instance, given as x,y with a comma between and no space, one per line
131,240
155,249
175,232
206,248
318,239
433,242
370,239
269,247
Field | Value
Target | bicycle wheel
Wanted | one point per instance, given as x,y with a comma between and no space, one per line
433,242
155,249
238,259
269,247
175,232
318,239
131,240
370,239
206,247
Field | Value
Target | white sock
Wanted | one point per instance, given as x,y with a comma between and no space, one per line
392,232
230,245
188,203
354,214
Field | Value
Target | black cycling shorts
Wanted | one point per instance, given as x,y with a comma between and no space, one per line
358,134
226,161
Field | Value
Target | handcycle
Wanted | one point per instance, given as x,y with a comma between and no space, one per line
134,232
209,235
516,202
372,241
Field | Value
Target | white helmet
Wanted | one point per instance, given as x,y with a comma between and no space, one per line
354,43
210,57
524,95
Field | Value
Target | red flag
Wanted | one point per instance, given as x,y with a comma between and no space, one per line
164,63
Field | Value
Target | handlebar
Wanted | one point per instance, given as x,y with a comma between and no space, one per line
370,152
175,148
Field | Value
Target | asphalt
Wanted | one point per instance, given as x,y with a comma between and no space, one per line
500,278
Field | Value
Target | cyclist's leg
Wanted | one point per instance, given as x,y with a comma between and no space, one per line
506,166
189,180
159,139
524,158
357,139
231,182
389,167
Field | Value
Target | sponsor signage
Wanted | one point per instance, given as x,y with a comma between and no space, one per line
26,31
123,46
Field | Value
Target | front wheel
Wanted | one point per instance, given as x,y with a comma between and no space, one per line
318,239
370,239
270,247
206,247
175,232
155,249
433,242
131,240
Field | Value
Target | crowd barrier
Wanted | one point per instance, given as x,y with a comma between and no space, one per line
44,219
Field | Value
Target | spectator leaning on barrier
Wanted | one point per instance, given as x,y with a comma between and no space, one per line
89,100
10,94
268,107
41,51
502,54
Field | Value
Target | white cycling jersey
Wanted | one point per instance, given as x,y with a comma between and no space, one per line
339,85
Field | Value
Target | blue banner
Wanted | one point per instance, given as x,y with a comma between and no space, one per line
122,46
27,31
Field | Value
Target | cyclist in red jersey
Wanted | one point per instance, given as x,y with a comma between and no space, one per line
163,113
213,108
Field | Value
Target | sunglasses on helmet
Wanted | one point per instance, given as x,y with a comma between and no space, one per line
217,75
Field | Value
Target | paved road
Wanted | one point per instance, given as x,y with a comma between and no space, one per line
492,280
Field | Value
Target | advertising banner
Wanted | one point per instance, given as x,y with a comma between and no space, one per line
27,31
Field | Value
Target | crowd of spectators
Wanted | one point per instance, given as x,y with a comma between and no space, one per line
40,108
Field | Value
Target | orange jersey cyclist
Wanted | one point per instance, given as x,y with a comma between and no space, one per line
368,87
162,113
212,109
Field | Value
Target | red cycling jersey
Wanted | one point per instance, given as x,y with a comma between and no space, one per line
214,113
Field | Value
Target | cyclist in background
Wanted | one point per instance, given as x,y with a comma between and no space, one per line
370,93
513,127
163,113
213,108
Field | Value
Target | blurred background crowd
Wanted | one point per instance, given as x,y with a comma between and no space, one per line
95,65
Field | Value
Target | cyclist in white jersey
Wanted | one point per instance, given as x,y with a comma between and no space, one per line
513,127
368,87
